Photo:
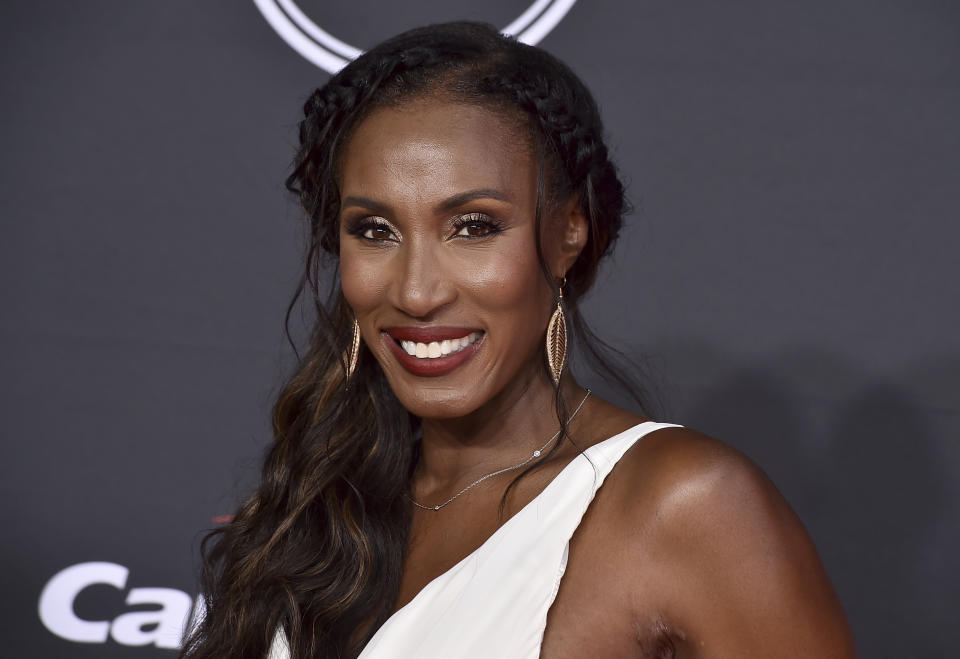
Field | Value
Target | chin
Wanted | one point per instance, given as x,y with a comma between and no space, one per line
429,402
429,399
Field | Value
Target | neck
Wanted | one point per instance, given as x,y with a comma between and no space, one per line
504,431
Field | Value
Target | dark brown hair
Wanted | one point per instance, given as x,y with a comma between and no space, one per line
319,546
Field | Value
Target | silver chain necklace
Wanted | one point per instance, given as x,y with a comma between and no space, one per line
536,454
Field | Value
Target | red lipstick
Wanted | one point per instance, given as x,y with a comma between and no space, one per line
426,367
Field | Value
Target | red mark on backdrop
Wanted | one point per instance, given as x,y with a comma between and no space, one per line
222,519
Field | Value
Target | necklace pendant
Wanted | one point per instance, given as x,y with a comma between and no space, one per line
436,507
536,454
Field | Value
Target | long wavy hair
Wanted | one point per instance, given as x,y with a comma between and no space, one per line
319,547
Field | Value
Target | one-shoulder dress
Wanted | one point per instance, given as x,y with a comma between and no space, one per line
494,602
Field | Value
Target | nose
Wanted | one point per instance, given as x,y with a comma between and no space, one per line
423,285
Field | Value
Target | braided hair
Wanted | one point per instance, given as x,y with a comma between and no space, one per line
318,548
467,62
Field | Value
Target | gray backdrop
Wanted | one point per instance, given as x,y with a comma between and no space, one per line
789,278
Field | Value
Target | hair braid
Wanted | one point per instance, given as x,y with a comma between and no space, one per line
569,120
372,80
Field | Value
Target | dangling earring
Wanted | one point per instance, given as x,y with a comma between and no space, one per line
557,338
353,356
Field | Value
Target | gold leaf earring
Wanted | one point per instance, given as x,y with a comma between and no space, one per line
557,339
353,356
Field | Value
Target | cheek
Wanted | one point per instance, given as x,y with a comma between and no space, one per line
509,285
361,280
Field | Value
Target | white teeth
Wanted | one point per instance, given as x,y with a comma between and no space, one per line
436,349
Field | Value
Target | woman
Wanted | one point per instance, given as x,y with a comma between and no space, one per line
437,468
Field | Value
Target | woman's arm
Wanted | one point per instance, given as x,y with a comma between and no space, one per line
742,577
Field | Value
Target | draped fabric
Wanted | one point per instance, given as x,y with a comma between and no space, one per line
494,602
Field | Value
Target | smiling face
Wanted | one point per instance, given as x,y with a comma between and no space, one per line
438,255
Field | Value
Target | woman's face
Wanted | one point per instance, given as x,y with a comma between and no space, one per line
438,255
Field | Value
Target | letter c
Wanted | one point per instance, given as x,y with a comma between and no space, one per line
56,600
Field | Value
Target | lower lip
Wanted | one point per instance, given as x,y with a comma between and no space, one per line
431,368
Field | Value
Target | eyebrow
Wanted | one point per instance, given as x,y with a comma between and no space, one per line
466,197
365,202
444,206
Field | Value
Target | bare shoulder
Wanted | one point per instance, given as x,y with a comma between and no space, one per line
692,477
731,566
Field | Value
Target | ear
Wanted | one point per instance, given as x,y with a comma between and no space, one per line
572,229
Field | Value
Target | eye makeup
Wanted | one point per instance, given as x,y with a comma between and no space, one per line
471,226
371,228
479,222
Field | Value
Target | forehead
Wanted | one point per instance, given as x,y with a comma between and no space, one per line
433,148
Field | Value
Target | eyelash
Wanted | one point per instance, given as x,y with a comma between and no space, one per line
477,219
361,226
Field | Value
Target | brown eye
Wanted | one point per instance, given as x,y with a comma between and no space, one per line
476,225
373,230
377,232
473,229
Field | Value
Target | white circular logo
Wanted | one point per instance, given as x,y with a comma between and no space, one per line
331,54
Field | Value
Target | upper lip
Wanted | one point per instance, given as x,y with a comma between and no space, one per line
428,334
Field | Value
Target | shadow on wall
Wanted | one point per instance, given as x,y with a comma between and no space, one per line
868,462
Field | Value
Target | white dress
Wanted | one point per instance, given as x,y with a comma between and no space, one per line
494,602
